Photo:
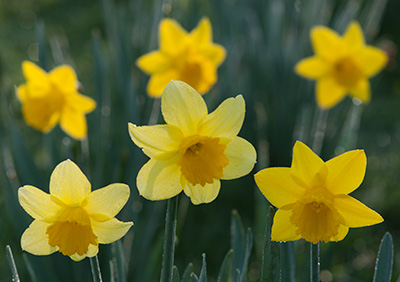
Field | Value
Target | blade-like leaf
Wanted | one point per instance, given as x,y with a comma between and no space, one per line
384,261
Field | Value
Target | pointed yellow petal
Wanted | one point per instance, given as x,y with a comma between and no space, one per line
153,62
69,184
81,103
64,78
111,230
157,141
346,172
372,60
105,203
242,158
73,123
92,251
33,73
362,91
201,35
226,120
35,240
308,170
282,227
355,213
329,92
38,204
342,232
312,67
278,187
202,194
37,113
171,36
183,107
216,53
200,73
353,36
159,81
326,42
159,180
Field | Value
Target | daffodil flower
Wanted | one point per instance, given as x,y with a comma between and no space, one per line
72,219
51,98
189,57
312,196
341,65
194,149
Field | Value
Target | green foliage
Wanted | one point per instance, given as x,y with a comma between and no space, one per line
384,261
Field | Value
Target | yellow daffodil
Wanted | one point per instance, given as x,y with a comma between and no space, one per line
49,98
194,149
341,65
72,219
312,196
189,57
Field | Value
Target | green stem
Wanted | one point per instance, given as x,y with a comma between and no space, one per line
314,262
169,240
94,265
10,257
319,130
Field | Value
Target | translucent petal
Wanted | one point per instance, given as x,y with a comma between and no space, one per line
183,107
159,180
69,184
73,122
38,204
355,213
346,172
111,230
353,36
64,78
160,141
226,120
278,187
105,203
81,103
153,62
202,194
326,42
342,232
159,81
362,91
371,59
308,170
312,67
92,251
171,35
201,35
282,227
35,240
242,158
329,92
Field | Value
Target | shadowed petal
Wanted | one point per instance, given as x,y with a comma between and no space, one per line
362,91
159,81
202,194
242,158
92,251
35,240
64,78
342,232
282,227
111,230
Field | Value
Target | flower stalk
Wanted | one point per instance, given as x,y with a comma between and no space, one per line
314,262
95,267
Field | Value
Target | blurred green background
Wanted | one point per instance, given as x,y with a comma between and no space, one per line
264,39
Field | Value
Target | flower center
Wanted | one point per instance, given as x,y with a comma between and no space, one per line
202,159
191,74
315,217
347,72
72,232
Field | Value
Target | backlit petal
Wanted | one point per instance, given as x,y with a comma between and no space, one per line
308,170
171,35
69,184
329,92
92,251
353,36
282,227
355,213
226,120
202,34
326,42
278,187
342,232
35,240
153,62
242,158
105,203
183,107
111,230
156,140
64,78
159,180
312,67
202,194
81,103
362,90
372,60
38,204
159,81
346,172
73,123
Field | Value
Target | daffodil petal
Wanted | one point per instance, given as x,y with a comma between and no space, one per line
35,240
362,91
354,36
216,53
159,81
312,67
156,140
371,60
153,62
342,232
64,76
159,180
36,77
346,172
69,184
202,77
202,194
92,251
282,227
355,213
73,122
277,186
242,158
329,92
202,33
37,114
183,107
38,204
81,103
308,169
111,230
226,120
171,35
325,42
22,93
105,203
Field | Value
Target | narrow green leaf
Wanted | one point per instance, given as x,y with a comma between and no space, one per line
10,258
249,245
194,277
384,261
95,267
175,274
186,274
238,244
288,266
203,272
225,273
118,262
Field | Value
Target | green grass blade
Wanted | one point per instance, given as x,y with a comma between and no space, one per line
13,266
203,272
384,261
225,272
